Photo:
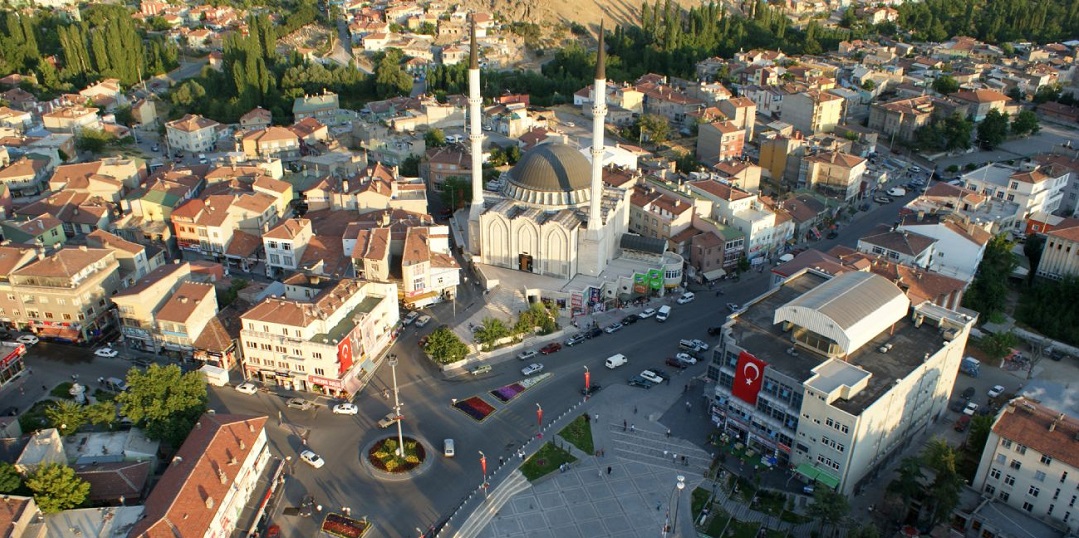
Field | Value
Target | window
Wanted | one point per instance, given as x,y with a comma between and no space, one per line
48,315
273,244
995,473
1071,502
990,490
1006,443
316,355
319,371
1050,511
1004,496
1009,480
286,246
275,259
1039,476
1056,494
1028,507
1063,476
287,260
1047,459
1022,449
1016,465
1034,491
1001,458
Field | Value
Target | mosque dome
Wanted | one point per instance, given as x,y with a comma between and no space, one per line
551,174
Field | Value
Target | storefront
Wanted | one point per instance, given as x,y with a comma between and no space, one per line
12,362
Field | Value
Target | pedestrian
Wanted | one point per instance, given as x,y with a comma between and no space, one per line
674,457
608,470
21,390
635,410
632,428
44,388
688,406
501,461
685,461
686,389
597,418
668,433
668,381
624,425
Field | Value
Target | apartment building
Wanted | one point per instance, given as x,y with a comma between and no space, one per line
812,112
742,112
831,376
899,118
720,141
71,119
184,315
323,107
1034,188
208,225
284,244
959,245
137,305
323,336
1060,256
833,173
1031,462
429,272
743,211
271,143
898,246
655,213
191,133
132,257
741,174
65,296
256,119
27,176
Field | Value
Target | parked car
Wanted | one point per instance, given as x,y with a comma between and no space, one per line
106,352
962,423
533,368
613,328
27,340
715,331
247,388
958,405
593,332
299,403
424,320
970,409
650,376
686,358
997,390
686,297
422,341
701,344
647,313
388,420
638,381
526,355
448,448
733,307
881,199
345,409
968,393
553,347
673,361
312,459
833,234
480,369
575,339
592,389
630,320
410,317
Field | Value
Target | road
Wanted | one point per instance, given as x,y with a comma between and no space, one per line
1049,136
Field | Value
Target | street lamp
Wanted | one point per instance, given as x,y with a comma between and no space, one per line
539,421
483,468
397,408
676,496
587,381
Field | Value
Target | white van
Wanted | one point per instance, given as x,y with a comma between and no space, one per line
664,313
614,361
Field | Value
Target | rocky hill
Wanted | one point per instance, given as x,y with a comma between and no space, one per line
552,12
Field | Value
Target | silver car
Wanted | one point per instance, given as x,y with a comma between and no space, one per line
532,369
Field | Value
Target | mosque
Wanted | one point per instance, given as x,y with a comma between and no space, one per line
555,217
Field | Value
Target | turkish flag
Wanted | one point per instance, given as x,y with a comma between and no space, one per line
748,378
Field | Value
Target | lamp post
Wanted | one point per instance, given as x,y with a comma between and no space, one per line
397,408
676,496
483,468
539,421
587,381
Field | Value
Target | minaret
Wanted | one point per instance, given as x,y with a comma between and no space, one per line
475,137
599,114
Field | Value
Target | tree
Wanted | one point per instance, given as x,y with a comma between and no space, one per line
390,79
945,84
66,416
868,85
828,507
456,192
980,427
1015,93
491,331
1032,249
93,140
687,162
1049,92
1051,309
944,491
654,128
988,292
124,116
410,167
56,488
445,347
993,129
1025,122
9,478
999,345
165,401
908,485
434,138
100,413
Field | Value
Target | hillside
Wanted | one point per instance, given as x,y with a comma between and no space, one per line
547,13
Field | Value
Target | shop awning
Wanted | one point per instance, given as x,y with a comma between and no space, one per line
828,480
712,275
807,471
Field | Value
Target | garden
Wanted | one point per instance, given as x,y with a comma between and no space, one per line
341,526
545,461
383,455
579,434
475,407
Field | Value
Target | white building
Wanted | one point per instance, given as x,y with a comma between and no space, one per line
832,375
429,272
742,210
323,336
898,246
1031,462
1031,187
959,244
1060,256
191,133
285,244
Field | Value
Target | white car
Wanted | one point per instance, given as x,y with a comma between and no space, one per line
345,409
106,352
686,358
410,317
970,409
247,388
27,339
424,320
312,459
686,298
525,355
532,368
613,328
701,345
647,313
997,390
650,376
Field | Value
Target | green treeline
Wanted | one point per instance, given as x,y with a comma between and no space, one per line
992,21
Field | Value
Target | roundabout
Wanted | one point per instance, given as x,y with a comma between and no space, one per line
382,460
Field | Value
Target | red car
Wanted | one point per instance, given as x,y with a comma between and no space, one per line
671,361
550,348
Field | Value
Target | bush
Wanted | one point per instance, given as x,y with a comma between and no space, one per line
445,347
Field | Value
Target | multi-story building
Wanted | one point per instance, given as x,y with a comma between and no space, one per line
978,103
741,210
742,112
132,257
212,478
741,174
833,173
1035,189
812,112
323,108
323,336
65,296
256,119
285,244
71,119
184,315
137,305
655,213
898,246
831,376
959,245
899,118
429,272
720,141
445,162
191,133
272,143
27,176
1060,255
1031,462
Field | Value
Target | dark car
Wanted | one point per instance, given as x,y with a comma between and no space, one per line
958,405
661,373
630,320
575,339
592,389
639,381
593,332
962,423
551,348
715,331
968,393
833,234
11,411
671,361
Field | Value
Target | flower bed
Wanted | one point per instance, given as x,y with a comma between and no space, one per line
343,526
476,408
383,455
508,392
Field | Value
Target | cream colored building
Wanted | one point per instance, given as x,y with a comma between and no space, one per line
323,336
429,272
812,112
71,119
1060,256
846,373
272,143
184,315
833,173
285,244
191,133
137,305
